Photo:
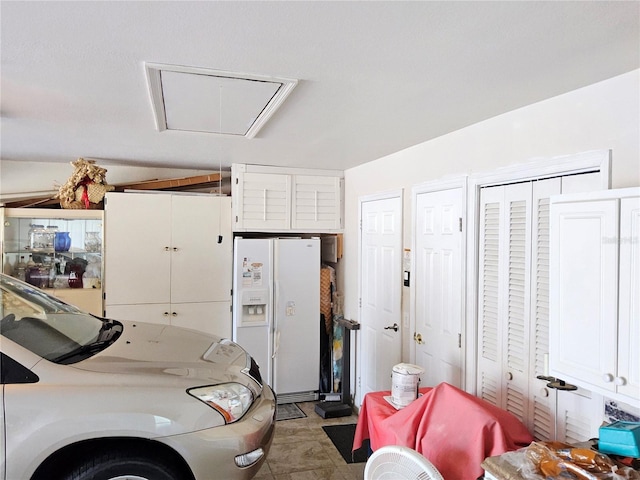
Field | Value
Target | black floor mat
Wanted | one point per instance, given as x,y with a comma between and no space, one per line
342,438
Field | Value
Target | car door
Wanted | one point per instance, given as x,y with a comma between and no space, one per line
11,373
2,442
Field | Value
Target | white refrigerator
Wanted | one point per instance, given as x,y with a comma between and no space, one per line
276,312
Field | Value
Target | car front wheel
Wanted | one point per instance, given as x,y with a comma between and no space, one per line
124,466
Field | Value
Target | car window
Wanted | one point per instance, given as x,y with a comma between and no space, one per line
12,372
50,328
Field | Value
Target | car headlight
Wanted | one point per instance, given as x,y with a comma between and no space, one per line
232,400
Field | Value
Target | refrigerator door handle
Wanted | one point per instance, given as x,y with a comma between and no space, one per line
276,332
276,344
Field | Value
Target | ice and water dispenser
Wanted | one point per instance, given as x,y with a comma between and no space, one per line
254,307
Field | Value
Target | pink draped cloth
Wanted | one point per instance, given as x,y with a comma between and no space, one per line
453,429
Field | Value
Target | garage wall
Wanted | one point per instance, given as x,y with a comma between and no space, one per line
605,115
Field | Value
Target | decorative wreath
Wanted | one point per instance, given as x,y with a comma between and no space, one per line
86,187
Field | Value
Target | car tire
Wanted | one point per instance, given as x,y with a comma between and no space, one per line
121,465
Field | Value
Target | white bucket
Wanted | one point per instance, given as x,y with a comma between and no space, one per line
404,383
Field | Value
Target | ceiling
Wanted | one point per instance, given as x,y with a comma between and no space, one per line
373,77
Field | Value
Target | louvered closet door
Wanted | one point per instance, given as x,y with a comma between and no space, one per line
541,421
513,309
505,250
516,276
489,380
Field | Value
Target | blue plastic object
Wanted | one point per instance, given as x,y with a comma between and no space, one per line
620,438
62,242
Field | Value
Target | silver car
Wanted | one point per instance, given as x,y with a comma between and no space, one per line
88,398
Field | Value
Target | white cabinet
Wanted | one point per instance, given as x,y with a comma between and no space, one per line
170,257
629,299
285,199
70,270
595,292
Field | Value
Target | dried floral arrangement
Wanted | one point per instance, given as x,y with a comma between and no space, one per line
86,187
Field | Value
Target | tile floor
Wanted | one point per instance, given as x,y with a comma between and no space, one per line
302,451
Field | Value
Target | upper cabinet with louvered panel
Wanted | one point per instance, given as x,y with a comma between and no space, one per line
316,203
274,199
263,202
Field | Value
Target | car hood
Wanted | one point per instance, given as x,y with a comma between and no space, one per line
162,353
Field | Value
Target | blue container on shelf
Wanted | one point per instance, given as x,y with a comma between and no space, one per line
620,438
62,242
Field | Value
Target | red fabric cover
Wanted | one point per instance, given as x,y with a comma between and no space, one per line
453,429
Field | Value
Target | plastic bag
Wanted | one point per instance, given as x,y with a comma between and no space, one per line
559,461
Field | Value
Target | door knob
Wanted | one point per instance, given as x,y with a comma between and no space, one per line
393,327
607,378
620,381
417,337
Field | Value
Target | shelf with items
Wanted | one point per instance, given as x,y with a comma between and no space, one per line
58,250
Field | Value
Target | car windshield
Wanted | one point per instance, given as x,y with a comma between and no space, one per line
50,328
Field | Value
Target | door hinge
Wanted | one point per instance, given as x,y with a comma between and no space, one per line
360,302
460,223
459,340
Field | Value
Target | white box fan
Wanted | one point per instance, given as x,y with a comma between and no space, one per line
395,462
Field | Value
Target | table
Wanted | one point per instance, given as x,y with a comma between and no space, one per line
516,465
496,468
374,410
453,429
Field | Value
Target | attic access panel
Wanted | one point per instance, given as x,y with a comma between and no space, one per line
213,101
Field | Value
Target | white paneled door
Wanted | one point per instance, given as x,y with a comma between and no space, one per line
380,296
437,287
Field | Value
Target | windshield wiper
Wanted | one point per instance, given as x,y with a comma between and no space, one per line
109,333
84,351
